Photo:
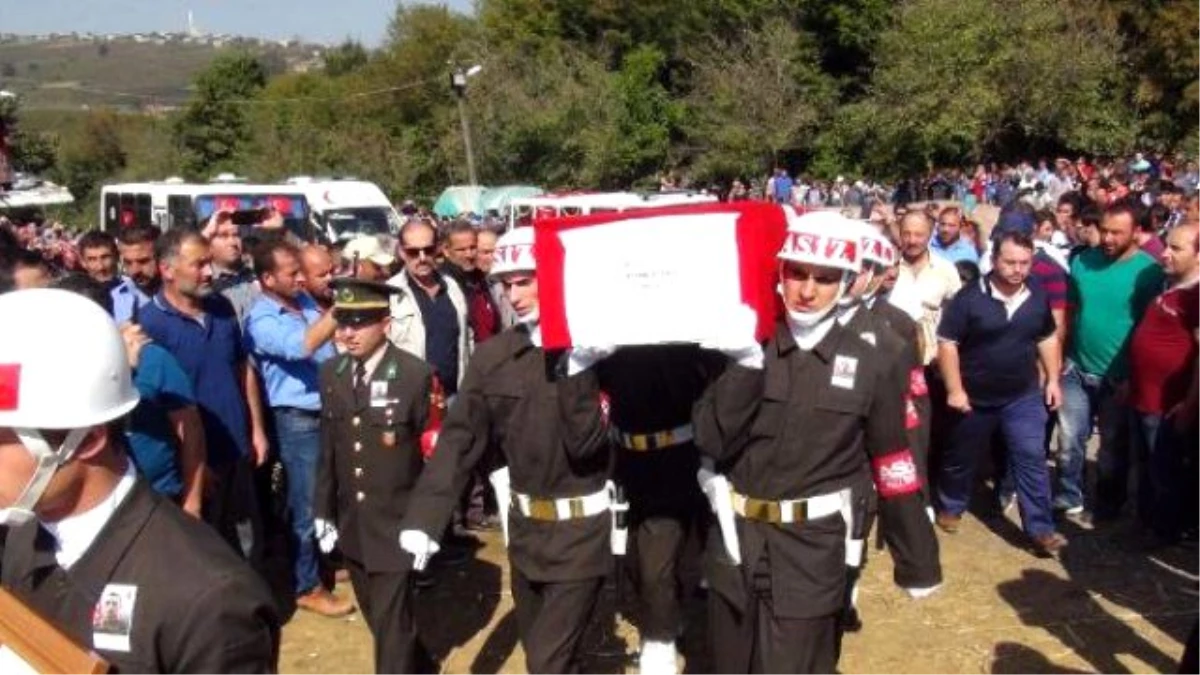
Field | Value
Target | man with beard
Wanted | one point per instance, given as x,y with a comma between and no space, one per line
202,331
289,337
98,255
136,248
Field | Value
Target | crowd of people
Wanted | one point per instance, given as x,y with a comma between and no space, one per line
349,407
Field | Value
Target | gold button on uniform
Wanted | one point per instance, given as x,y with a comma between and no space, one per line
357,446
354,421
358,472
360,496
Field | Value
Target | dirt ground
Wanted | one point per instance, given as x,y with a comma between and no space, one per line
1106,605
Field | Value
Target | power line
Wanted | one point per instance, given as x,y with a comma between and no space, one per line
246,101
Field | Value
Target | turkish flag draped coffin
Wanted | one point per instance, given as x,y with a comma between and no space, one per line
657,276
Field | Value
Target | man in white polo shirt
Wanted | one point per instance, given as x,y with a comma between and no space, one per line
926,282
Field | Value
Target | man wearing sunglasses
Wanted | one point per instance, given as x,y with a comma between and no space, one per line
429,311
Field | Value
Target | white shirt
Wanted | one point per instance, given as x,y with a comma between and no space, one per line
1011,302
75,533
922,295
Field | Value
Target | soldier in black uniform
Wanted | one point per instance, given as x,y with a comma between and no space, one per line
798,427
651,392
882,256
375,406
550,427
90,546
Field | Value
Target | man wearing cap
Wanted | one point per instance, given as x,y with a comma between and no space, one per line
374,409
368,260
429,311
83,529
545,410
797,427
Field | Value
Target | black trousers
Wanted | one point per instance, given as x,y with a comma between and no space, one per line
385,599
657,544
231,507
754,640
551,620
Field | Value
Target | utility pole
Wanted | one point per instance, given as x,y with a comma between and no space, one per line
458,82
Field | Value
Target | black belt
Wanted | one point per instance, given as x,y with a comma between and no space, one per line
297,411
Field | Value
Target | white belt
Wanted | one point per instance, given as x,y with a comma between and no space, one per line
563,508
656,440
790,510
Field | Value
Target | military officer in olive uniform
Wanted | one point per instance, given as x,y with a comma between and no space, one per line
548,422
375,405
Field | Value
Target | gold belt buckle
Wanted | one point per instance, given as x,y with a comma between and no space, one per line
542,509
639,442
575,507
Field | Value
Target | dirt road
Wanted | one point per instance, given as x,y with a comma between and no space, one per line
1105,606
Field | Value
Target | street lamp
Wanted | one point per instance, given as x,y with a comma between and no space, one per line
458,82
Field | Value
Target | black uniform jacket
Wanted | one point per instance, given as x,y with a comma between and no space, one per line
553,434
651,389
194,607
371,455
808,424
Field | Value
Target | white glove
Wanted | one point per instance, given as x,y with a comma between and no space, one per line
736,339
582,358
420,546
327,535
918,593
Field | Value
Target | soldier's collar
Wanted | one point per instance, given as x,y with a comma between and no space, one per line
825,349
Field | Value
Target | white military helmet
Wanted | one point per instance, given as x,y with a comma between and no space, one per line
878,249
63,366
824,238
514,252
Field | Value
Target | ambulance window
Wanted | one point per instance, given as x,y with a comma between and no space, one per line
142,209
112,211
179,212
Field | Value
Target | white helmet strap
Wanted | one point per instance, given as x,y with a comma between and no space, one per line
48,460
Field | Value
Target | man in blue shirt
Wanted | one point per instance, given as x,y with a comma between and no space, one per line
289,337
990,342
201,330
166,438
949,242
140,282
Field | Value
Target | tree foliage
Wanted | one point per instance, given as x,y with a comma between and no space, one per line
213,129
613,93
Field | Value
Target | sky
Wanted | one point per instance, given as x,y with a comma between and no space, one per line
316,20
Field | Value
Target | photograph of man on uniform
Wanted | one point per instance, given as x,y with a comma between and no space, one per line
113,618
374,407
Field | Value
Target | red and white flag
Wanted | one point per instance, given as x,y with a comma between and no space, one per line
657,276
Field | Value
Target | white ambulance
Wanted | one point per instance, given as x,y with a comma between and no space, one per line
343,208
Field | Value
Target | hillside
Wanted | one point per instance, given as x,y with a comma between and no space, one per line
148,73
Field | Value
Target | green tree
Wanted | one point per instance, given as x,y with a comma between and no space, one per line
754,100
345,58
960,80
91,155
212,129
31,152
